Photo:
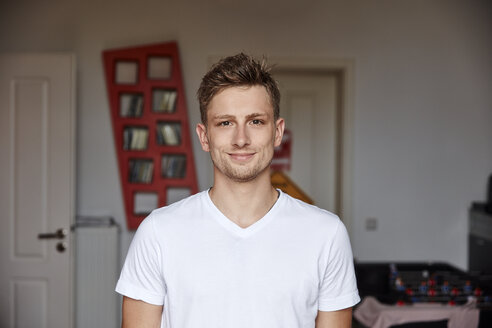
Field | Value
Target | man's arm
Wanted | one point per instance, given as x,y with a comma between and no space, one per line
140,314
334,319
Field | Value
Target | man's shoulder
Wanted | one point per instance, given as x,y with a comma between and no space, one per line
316,227
180,209
305,213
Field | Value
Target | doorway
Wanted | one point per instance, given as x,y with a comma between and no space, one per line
310,107
317,104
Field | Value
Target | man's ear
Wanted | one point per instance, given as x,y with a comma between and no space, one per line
201,131
279,131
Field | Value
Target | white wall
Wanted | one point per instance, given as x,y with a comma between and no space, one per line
423,97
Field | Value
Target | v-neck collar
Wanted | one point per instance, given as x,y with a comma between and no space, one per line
236,229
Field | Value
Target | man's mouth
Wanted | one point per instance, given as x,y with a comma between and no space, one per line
241,156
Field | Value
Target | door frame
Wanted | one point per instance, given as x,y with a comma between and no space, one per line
344,70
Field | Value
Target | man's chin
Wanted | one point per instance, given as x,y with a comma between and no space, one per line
243,177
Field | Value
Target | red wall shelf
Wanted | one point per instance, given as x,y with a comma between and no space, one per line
150,127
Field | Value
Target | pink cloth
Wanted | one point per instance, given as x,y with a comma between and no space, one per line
374,314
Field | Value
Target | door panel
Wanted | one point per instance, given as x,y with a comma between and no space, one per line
29,137
36,189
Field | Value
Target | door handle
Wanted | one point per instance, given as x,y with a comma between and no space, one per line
58,234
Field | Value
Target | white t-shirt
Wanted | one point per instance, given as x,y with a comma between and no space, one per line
209,272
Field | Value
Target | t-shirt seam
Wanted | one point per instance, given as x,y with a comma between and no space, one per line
347,295
142,291
349,300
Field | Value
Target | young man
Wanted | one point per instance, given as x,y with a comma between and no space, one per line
240,254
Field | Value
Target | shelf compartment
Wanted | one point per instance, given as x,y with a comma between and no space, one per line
144,202
159,68
131,104
164,100
140,170
173,166
168,133
126,72
175,194
135,138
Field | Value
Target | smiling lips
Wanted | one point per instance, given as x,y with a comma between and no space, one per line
241,156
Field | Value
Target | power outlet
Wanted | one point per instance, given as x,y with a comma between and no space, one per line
371,224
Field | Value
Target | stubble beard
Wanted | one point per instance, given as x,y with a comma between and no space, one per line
240,173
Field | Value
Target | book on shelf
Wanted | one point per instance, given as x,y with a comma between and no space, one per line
164,101
169,134
131,105
173,166
135,138
140,170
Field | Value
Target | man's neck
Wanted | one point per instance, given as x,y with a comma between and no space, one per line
244,203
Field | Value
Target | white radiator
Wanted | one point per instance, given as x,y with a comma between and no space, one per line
96,273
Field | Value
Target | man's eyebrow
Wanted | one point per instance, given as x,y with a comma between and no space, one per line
223,117
255,115
228,116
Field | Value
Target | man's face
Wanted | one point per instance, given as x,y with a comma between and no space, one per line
241,133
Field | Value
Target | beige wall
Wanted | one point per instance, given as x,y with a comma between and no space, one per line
423,97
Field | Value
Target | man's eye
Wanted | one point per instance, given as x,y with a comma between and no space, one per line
225,123
256,122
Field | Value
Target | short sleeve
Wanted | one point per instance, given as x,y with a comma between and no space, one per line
141,277
338,289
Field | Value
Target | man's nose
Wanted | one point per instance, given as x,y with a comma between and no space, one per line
241,136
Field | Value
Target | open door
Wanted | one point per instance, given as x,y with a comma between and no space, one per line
36,190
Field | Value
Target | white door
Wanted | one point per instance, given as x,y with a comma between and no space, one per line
36,189
309,106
